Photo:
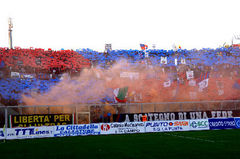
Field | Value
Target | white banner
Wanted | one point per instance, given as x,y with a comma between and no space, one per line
201,124
15,74
165,126
131,75
122,128
77,130
30,132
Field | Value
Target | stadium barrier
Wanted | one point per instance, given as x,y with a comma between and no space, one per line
27,116
119,128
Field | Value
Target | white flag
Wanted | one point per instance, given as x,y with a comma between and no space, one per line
203,84
163,60
176,62
189,75
183,61
167,83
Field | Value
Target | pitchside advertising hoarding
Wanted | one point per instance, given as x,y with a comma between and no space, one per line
201,124
167,116
224,123
2,134
40,120
237,122
30,132
119,128
166,126
122,128
76,130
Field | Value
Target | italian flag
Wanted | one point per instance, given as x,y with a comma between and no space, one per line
120,94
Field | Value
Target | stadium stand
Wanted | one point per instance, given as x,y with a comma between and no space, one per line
22,70
25,70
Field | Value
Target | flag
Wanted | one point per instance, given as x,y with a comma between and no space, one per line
203,81
163,60
120,94
167,83
190,75
203,76
203,84
143,46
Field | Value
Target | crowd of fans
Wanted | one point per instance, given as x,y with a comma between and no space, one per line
25,70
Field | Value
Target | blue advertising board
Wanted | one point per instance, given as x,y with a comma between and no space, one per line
222,123
237,122
77,130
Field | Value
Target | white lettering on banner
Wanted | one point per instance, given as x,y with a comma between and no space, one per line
122,128
30,132
221,114
77,130
199,124
163,126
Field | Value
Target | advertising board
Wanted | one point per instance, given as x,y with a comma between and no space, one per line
201,124
165,126
40,120
77,130
122,128
237,122
30,132
222,123
1,134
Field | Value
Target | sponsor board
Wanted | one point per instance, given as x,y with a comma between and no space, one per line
1,134
77,130
40,120
199,124
167,116
224,123
30,132
165,126
237,122
122,128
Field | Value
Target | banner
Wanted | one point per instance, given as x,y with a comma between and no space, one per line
166,126
31,132
77,130
237,122
23,75
199,124
131,75
122,128
15,74
226,123
40,120
165,116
